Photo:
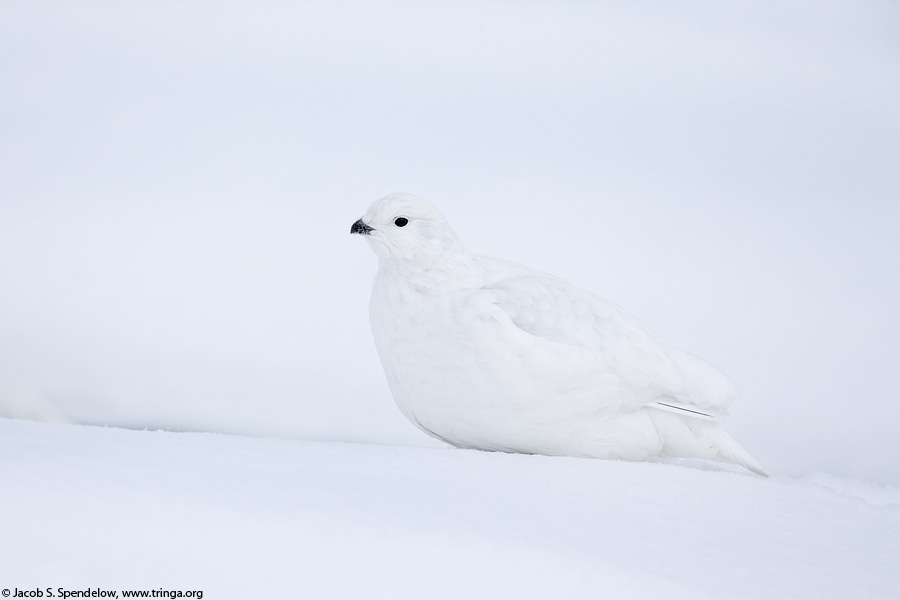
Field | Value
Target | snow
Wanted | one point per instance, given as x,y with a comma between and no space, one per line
243,517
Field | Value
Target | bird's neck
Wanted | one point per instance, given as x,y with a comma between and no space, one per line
430,272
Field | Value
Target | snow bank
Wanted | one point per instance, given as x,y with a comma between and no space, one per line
248,517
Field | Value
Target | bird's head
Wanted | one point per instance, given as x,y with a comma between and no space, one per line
407,228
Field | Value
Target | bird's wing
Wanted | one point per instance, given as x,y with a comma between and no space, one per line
656,372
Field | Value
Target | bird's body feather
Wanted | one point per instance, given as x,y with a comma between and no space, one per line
488,354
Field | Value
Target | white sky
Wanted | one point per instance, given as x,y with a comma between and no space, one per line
177,182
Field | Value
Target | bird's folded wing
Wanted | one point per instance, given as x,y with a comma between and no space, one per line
556,311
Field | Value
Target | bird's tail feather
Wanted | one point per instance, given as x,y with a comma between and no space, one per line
685,437
731,451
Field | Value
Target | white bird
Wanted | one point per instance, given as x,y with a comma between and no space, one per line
485,353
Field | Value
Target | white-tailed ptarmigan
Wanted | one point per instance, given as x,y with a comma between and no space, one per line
488,354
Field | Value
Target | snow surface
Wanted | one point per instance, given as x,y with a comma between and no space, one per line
242,517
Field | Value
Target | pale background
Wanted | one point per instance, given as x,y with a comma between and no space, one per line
178,179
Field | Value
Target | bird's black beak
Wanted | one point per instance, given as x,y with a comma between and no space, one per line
360,227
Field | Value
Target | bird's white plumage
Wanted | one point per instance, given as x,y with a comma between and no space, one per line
484,353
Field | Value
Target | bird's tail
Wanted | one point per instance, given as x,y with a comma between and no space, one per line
731,451
685,437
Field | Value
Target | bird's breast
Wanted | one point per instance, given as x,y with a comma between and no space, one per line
432,349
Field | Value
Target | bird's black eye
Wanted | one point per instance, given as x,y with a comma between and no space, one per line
401,221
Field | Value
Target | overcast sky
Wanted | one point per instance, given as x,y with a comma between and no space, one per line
178,179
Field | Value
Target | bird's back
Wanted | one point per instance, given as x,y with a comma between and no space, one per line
557,311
